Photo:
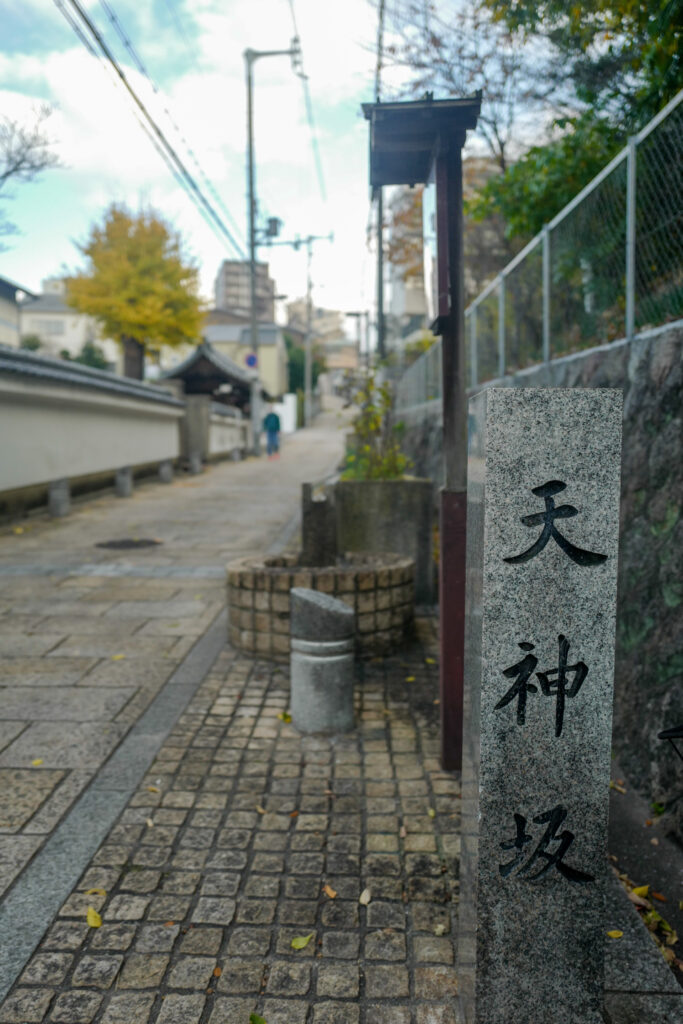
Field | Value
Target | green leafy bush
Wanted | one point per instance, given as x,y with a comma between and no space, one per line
375,453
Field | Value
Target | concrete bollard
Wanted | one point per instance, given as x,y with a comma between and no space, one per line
59,498
322,662
166,472
123,482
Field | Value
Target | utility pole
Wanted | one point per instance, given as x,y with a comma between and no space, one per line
250,58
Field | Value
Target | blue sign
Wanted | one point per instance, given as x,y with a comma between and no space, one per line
251,361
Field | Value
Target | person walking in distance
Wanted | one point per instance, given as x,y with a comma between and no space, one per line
271,425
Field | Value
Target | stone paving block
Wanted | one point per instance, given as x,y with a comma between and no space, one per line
65,704
143,970
155,938
46,969
76,1007
386,982
214,910
191,972
128,1008
177,1009
227,1011
284,1011
336,1013
338,980
26,1006
22,791
241,976
436,1014
341,945
97,971
112,937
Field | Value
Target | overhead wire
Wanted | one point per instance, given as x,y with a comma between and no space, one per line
171,157
139,64
308,103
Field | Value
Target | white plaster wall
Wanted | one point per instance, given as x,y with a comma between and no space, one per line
50,432
226,434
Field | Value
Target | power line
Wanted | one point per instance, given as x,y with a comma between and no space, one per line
309,109
180,171
137,60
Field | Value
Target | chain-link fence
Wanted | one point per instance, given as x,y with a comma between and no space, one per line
610,263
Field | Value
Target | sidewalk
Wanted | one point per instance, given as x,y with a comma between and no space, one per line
221,857
90,635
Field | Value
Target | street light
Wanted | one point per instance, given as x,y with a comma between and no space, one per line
250,58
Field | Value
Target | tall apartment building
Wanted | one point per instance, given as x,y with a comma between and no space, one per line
232,289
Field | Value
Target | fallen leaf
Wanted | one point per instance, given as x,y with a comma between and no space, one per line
255,1019
149,823
437,701
410,679
168,924
616,934
431,812
217,971
329,891
294,814
638,900
285,716
655,842
430,661
615,785
117,657
440,929
660,897
260,809
37,761
93,918
680,904
301,941
17,529
95,892
365,897
641,890
648,821
154,789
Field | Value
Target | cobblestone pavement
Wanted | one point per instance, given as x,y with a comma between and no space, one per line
89,636
245,835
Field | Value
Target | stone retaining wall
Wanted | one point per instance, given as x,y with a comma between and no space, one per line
380,589
648,687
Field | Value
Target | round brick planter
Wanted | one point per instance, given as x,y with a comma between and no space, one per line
379,588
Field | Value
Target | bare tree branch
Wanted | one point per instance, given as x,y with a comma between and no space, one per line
24,153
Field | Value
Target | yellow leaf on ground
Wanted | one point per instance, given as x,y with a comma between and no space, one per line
329,891
217,971
17,529
153,789
117,657
95,892
93,918
149,823
365,897
616,934
430,661
285,716
440,929
261,810
37,761
410,679
431,812
301,941
641,890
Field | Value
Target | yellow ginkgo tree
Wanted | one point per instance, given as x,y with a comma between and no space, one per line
137,284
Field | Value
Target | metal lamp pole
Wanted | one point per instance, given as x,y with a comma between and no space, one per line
250,58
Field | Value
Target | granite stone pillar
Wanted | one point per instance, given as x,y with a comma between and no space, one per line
59,498
123,482
322,662
542,535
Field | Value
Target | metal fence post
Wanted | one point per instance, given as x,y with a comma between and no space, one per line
474,374
631,237
501,326
546,293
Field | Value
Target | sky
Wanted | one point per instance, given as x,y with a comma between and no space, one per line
193,49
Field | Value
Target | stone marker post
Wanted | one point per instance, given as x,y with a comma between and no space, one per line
322,662
542,534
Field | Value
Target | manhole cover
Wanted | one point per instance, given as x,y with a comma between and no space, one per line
126,543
